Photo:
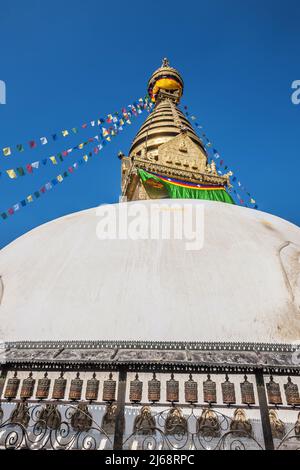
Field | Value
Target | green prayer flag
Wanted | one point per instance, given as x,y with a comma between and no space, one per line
20,171
154,185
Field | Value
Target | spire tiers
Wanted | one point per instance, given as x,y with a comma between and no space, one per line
164,123
166,144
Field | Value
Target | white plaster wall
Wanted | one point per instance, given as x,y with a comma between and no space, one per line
60,281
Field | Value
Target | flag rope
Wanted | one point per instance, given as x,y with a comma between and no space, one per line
214,154
10,150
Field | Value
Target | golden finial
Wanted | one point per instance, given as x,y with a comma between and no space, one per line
165,62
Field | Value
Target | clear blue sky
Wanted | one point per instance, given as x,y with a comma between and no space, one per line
65,62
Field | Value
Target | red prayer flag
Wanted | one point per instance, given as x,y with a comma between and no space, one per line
84,125
71,169
221,162
43,189
32,144
64,153
10,211
29,168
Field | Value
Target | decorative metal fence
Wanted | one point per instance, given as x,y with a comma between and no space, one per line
137,408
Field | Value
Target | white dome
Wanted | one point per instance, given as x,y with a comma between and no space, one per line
60,282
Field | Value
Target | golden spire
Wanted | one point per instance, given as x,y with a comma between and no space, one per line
166,143
166,121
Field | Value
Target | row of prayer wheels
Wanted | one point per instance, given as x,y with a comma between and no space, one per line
210,391
154,390
191,391
59,388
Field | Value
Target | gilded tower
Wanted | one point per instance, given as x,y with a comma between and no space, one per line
166,151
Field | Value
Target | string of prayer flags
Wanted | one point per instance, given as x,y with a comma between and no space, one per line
54,181
106,135
134,109
45,188
215,155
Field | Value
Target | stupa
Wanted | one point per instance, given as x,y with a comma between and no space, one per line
129,337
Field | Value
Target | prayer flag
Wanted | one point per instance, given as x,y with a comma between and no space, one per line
20,171
20,148
43,140
11,173
6,151
53,160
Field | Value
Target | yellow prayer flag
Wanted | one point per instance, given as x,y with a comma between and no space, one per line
6,151
108,139
29,198
85,158
53,160
59,178
65,133
80,146
11,173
